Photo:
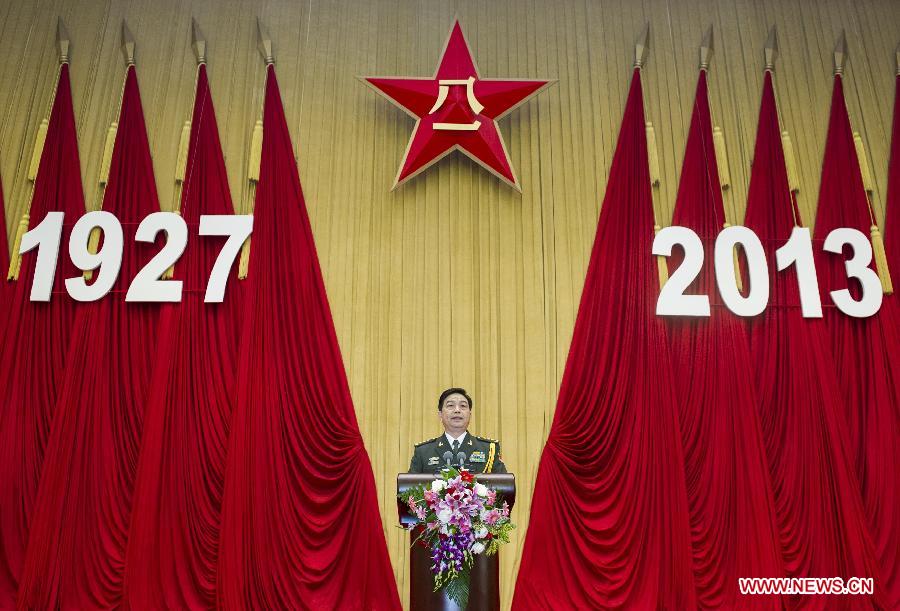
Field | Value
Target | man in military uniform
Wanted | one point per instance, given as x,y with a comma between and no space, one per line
479,454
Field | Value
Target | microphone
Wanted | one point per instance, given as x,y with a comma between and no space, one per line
448,458
461,459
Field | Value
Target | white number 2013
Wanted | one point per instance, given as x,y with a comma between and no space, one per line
796,251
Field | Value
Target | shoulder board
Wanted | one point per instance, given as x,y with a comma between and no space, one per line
485,439
421,443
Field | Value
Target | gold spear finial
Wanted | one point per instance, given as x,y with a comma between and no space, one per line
706,48
198,42
62,41
771,50
127,44
264,42
642,46
840,54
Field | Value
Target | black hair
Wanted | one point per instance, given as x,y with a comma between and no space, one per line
454,391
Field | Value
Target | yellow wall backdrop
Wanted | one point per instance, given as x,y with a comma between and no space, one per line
454,278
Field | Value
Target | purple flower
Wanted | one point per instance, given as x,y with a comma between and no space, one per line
449,553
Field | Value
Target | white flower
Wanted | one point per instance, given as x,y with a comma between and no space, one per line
481,533
480,489
477,547
438,485
444,515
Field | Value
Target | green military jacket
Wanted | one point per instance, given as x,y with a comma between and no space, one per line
482,455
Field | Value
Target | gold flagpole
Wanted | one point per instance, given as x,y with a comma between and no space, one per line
787,145
15,259
641,50
887,287
264,45
720,152
128,48
198,44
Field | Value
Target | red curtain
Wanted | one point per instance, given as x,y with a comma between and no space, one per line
32,359
733,524
868,373
174,538
609,519
76,550
300,524
821,520
890,315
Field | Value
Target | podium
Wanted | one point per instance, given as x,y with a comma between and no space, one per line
484,587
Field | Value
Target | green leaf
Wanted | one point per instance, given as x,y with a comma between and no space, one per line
458,589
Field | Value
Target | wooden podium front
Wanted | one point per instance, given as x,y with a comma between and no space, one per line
484,587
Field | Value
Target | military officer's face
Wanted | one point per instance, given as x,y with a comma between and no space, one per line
455,414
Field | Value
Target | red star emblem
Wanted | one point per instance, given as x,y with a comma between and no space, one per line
456,109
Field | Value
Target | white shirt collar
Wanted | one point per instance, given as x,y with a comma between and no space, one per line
451,439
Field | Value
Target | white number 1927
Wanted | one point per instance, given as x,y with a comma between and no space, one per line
148,284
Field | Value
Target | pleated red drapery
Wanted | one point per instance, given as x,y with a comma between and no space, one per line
32,359
300,524
174,537
890,314
609,519
733,528
76,551
868,366
822,524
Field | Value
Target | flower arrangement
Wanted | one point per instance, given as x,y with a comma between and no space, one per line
458,518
